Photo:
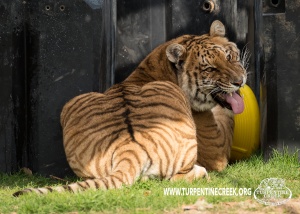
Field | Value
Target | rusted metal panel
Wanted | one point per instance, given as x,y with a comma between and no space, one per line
281,76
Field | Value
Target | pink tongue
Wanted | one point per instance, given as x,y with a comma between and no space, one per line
236,102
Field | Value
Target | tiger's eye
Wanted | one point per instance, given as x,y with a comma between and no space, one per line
228,57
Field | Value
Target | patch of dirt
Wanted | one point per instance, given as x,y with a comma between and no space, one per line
245,207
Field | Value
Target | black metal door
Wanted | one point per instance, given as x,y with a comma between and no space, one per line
51,51
12,84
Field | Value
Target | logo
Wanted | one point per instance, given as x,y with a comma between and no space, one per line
272,191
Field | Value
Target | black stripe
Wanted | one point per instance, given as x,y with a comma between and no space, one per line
127,115
166,156
40,191
67,188
79,184
97,125
105,182
159,116
128,178
162,136
77,100
123,160
161,174
112,181
99,112
87,184
197,84
96,183
182,172
95,131
146,150
207,136
120,179
49,189
171,93
161,104
187,152
128,122
28,190
96,111
102,142
211,126
175,165
109,134
78,104
160,146
143,74
194,147
190,84
131,153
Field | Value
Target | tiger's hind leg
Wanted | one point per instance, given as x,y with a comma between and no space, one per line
196,173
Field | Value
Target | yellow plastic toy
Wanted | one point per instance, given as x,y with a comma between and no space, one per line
247,127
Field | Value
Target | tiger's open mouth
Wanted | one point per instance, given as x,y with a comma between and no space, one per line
232,101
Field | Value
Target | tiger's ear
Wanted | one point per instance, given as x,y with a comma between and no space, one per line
175,52
217,29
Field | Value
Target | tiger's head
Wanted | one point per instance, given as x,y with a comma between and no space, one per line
209,69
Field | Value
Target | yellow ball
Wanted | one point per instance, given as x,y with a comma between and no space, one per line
247,127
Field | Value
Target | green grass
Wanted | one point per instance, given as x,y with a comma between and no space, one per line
148,196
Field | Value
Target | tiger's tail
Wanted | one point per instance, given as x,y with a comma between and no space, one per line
115,180
125,173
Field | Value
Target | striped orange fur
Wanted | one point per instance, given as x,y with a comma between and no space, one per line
126,133
171,113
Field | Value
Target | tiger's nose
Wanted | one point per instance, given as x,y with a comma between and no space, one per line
238,83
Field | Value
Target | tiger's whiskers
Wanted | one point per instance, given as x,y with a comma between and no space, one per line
245,57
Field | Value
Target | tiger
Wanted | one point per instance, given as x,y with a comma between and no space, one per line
210,70
127,133
172,118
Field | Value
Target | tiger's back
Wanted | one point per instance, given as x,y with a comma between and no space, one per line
150,123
